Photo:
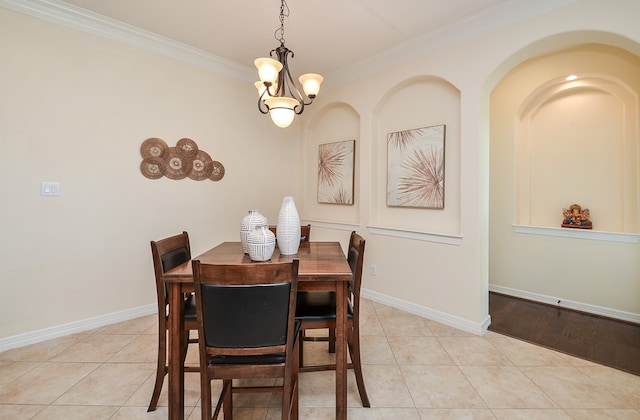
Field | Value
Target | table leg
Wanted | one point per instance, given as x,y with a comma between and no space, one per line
176,347
341,350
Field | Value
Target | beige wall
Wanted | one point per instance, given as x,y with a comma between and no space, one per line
74,108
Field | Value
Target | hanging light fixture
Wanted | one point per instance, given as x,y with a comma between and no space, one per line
278,94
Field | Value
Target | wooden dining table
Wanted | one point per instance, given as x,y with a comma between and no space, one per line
323,267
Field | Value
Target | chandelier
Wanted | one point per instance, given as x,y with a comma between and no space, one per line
278,94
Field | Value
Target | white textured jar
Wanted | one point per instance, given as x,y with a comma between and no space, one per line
249,222
261,243
288,227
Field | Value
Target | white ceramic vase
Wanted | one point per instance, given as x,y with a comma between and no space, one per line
249,222
261,243
288,227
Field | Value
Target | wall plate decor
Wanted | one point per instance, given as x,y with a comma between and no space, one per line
415,168
336,172
179,162
153,147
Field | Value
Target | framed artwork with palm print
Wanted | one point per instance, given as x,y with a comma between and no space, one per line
415,168
335,172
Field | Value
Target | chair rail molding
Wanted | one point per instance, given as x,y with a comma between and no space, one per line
441,238
325,224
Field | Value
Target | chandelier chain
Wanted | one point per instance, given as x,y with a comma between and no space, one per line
284,13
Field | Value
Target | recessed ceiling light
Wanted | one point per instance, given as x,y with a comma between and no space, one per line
571,77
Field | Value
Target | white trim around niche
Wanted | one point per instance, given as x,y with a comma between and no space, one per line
596,235
432,314
567,304
75,327
332,225
441,238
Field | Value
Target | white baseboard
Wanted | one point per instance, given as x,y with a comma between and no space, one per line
432,314
569,304
38,336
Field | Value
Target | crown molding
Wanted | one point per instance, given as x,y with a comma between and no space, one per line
491,19
86,21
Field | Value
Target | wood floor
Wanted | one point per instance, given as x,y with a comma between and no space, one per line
602,340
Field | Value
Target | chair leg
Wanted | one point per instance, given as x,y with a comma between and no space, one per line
290,388
354,351
332,340
296,387
301,349
225,388
186,346
161,369
205,397
227,403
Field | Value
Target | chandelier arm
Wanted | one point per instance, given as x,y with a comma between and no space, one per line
293,89
285,75
261,104
267,90
262,107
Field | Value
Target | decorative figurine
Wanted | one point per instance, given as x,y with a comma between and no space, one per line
576,217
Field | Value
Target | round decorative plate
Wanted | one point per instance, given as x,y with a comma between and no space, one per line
152,167
153,147
187,148
217,171
176,167
201,167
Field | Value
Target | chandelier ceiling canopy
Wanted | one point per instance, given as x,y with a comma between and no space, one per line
278,94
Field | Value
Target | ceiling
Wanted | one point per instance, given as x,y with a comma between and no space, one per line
327,36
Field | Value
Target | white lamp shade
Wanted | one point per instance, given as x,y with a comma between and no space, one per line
268,69
311,83
281,110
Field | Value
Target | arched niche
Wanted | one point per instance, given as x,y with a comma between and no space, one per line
335,122
576,141
555,142
415,103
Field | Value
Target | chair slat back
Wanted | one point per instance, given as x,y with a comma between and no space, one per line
355,257
305,232
168,253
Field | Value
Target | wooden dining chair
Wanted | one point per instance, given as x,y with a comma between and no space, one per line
305,232
317,310
168,253
247,330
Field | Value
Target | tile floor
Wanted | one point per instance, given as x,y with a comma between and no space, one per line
414,369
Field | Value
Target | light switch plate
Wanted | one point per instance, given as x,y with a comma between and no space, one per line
51,189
